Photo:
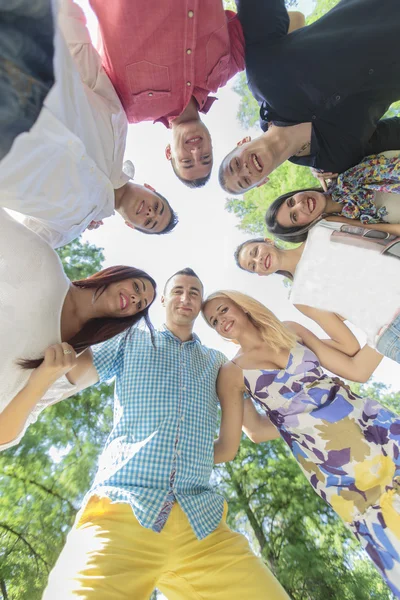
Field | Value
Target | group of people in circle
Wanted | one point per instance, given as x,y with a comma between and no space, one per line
65,172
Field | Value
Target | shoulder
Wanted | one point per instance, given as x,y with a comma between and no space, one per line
232,374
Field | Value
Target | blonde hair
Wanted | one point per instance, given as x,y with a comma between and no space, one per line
272,331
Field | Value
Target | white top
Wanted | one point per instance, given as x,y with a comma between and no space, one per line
64,171
361,285
32,292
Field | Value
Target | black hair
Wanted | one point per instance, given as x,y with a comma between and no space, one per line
194,183
221,176
293,234
238,250
174,220
186,271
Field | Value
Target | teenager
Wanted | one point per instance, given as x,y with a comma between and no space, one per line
308,116
171,82
346,446
45,319
363,195
67,171
348,280
151,518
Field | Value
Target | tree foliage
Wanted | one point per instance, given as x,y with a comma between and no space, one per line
297,534
44,478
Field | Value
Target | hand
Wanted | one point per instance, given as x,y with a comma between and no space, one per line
58,360
323,177
94,225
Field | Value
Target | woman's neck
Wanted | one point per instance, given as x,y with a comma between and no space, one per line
290,258
332,207
78,308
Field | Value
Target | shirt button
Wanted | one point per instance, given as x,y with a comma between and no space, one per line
190,14
337,98
150,93
370,72
188,51
188,83
313,117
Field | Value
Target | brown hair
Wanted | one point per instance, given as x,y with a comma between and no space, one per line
104,328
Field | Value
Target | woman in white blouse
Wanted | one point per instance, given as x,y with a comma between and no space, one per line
331,279
45,319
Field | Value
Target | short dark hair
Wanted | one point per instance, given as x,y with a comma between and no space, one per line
293,234
194,183
186,271
256,241
221,175
174,220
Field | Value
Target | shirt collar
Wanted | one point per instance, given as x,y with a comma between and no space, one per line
164,330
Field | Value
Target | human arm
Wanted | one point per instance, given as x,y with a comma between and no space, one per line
356,368
263,19
257,426
230,393
72,22
385,137
341,338
15,415
393,228
296,20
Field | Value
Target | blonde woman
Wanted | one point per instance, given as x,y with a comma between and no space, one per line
346,446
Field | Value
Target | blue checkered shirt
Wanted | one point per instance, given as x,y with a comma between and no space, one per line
165,418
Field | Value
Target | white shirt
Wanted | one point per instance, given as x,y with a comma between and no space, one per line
32,293
63,172
361,285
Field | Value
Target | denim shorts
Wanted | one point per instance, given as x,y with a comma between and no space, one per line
26,65
389,342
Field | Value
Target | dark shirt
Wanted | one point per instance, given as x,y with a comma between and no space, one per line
341,73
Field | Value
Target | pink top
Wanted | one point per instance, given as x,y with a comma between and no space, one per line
158,53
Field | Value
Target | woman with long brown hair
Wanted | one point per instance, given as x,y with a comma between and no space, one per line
45,320
347,446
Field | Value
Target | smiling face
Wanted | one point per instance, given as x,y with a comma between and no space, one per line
127,297
144,210
223,315
259,257
191,150
301,209
182,300
247,166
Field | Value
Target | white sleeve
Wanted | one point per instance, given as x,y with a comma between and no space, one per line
61,389
54,238
72,23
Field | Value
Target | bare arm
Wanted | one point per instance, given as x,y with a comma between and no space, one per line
356,368
257,426
230,394
341,338
79,371
393,228
296,20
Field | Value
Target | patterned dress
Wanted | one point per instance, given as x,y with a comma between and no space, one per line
356,187
347,447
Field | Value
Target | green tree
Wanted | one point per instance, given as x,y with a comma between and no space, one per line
44,478
296,533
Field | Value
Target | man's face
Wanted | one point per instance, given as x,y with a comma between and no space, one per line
191,150
145,210
182,299
246,167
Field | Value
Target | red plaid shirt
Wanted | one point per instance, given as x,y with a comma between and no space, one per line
160,53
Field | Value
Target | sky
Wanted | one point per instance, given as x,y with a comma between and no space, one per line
207,234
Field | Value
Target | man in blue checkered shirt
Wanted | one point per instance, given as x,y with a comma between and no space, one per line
151,518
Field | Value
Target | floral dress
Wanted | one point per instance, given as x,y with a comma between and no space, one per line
356,187
347,447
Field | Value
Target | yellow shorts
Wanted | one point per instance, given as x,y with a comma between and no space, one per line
109,555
